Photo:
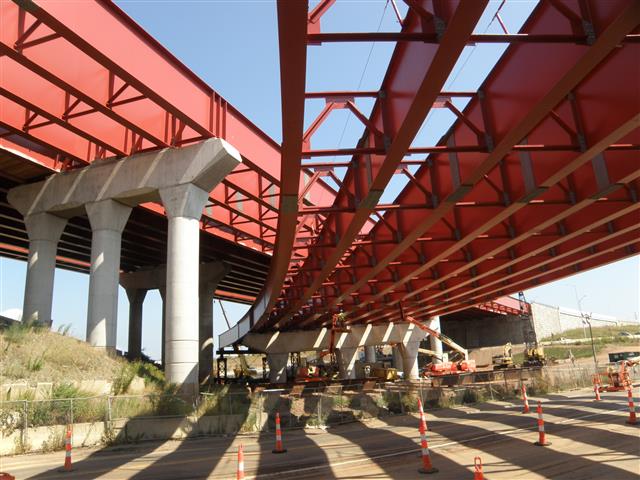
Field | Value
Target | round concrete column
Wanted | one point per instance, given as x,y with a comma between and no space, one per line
409,352
370,354
277,367
183,205
107,218
434,343
136,301
346,358
163,339
206,332
44,232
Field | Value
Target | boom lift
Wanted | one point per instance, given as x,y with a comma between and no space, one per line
445,368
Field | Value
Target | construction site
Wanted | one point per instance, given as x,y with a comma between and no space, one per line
414,253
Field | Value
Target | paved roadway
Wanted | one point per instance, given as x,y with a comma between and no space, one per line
589,441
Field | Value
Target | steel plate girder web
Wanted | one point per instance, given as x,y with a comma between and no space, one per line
606,42
96,97
413,81
567,221
561,269
292,31
554,271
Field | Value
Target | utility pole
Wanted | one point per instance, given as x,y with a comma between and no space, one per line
586,318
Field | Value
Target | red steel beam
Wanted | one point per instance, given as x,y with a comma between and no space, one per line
292,32
606,42
415,77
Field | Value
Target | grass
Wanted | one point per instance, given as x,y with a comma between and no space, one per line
31,354
608,331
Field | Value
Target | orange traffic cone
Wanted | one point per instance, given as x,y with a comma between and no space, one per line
67,452
525,400
596,389
426,457
632,408
477,463
279,448
541,436
6,476
240,471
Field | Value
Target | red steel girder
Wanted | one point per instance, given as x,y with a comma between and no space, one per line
96,97
414,79
622,24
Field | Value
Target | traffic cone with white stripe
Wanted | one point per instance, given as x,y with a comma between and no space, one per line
279,448
240,471
67,452
596,390
525,400
477,463
541,436
427,467
632,408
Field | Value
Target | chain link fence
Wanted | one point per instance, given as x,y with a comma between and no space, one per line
228,411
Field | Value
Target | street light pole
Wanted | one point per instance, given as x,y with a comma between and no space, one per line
586,320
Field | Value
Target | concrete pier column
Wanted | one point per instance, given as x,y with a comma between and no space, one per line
409,352
44,232
370,354
434,343
163,327
183,205
107,218
205,333
396,357
277,367
346,358
136,301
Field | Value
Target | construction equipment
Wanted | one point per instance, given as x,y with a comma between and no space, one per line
505,360
446,368
533,353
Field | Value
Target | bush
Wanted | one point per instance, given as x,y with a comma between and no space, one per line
472,395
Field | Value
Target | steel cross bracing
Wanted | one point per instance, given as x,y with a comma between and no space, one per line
71,94
536,179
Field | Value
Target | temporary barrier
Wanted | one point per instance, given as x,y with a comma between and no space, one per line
525,400
477,463
427,467
279,448
67,452
632,408
240,471
541,435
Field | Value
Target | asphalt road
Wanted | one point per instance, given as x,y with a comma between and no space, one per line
590,440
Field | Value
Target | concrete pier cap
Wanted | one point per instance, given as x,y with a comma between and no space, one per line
347,344
179,178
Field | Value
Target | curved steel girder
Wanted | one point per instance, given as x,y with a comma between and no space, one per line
292,32
624,23
415,77
541,227
579,263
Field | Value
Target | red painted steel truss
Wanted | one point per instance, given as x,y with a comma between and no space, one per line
536,179
71,94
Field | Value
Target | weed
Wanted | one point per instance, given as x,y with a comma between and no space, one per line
64,329
35,364
473,395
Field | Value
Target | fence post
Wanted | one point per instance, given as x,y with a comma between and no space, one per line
109,414
71,412
400,401
319,409
25,424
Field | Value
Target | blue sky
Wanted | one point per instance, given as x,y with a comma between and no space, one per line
233,46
